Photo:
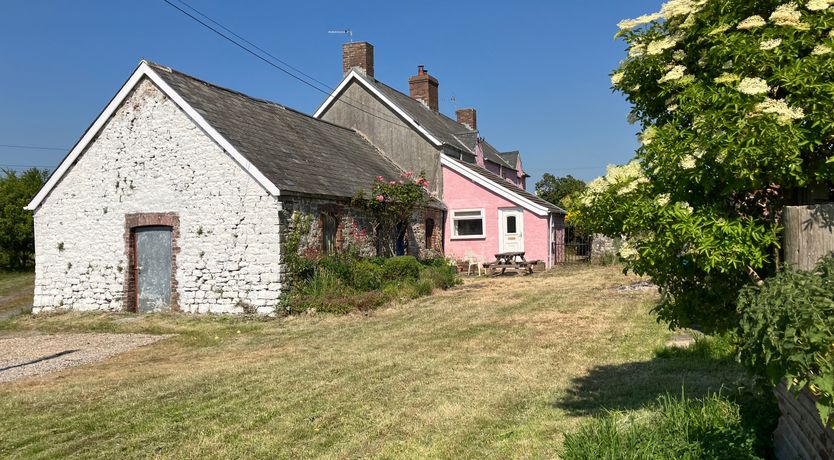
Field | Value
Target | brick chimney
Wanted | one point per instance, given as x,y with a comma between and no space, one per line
423,87
468,117
358,55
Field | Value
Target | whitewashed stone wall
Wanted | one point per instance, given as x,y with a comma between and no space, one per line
151,158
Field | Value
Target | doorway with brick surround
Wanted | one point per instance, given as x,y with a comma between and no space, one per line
152,268
151,248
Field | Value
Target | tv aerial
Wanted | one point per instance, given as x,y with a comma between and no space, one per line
347,32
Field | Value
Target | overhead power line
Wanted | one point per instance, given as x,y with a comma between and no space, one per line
269,62
26,166
32,147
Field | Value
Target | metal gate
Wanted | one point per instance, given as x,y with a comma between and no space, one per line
576,247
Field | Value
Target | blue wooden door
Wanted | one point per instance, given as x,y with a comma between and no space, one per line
153,269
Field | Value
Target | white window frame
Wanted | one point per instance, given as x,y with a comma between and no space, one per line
455,235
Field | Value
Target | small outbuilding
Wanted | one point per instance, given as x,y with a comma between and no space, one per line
180,193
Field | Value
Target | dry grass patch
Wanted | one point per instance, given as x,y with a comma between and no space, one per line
488,369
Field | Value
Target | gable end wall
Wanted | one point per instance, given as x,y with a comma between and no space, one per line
407,148
151,158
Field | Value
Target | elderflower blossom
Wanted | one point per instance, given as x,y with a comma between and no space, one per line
663,199
616,78
818,5
648,135
770,44
679,55
784,113
753,86
831,34
819,50
787,15
628,24
637,50
675,8
628,252
688,162
658,46
676,73
726,78
685,206
623,173
751,23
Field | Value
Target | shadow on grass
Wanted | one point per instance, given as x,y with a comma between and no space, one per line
704,367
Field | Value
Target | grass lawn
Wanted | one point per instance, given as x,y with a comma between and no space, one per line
495,368
16,291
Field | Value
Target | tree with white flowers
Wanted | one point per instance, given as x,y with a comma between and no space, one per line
735,100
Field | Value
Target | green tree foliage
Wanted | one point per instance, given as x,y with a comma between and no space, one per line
17,234
736,103
556,189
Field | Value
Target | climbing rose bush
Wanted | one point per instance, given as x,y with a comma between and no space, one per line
735,103
390,203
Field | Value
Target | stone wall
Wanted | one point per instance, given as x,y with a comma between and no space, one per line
150,158
600,246
800,433
354,228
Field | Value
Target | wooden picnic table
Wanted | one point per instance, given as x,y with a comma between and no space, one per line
510,261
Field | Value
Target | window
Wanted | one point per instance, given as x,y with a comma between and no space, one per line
328,233
511,224
468,223
429,233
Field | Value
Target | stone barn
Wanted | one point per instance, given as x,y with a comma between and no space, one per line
178,195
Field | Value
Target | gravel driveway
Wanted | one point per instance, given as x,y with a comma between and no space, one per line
33,355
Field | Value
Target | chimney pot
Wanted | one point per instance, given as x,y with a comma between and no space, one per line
423,87
468,117
358,55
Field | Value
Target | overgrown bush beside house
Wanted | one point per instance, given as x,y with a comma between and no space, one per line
786,332
345,281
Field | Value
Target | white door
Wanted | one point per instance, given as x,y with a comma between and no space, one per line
511,230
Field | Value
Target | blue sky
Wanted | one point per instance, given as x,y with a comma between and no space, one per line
537,72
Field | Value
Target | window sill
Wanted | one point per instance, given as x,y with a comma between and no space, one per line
468,237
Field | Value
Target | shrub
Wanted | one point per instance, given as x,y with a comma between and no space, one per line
367,276
786,331
342,265
401,268
441,277
338,302
422,288
679,428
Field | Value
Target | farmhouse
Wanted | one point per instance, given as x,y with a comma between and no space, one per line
488,210
178,195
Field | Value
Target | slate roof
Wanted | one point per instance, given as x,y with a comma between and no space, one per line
517,190
298,153
448,131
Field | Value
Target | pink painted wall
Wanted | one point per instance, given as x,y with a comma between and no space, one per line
461,193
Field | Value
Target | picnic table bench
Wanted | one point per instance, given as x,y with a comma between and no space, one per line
514,261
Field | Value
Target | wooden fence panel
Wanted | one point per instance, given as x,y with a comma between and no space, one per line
809,234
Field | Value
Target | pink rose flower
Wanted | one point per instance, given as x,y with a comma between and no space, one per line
393,182
380,178
409,174
380,198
